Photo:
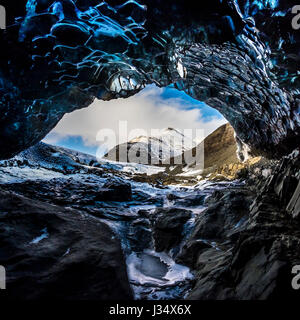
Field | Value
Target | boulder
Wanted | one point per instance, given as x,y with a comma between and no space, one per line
112,190
51,252
223,215
140,235
168,225
191,200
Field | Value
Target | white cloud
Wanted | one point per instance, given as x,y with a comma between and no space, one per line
146,110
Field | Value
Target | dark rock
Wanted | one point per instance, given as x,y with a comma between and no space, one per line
215,197
51,252
252,259
70,191
211,277
191,251
168,224
262,267
190,200
221,217
294,205
140,235
115,191
139,196
144,213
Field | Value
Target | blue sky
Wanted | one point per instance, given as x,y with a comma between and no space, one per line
154,107
73,142
190,103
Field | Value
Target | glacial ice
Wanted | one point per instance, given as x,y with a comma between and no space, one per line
59,56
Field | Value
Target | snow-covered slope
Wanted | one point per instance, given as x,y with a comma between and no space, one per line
156,149
43,161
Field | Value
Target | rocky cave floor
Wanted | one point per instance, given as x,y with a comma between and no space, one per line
74,229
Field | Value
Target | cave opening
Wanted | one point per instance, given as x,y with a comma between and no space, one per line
71,70
226,56
152,111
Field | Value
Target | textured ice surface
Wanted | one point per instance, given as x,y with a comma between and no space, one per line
159,272
240,57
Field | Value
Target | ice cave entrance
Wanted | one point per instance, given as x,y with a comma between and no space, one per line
154,109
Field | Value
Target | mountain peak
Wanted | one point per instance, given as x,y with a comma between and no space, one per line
163,145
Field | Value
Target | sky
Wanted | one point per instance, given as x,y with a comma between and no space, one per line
152,108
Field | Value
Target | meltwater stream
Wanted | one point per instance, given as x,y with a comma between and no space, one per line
155,275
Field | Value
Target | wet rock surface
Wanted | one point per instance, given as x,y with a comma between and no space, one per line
52,252
191,200
246,243
76,234
61,238
168,227
115,191
224,215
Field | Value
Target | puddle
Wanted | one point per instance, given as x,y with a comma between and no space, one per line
156,276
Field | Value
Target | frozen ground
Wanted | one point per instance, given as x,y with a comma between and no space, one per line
75,180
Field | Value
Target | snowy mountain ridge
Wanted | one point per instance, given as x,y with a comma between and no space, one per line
154,149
